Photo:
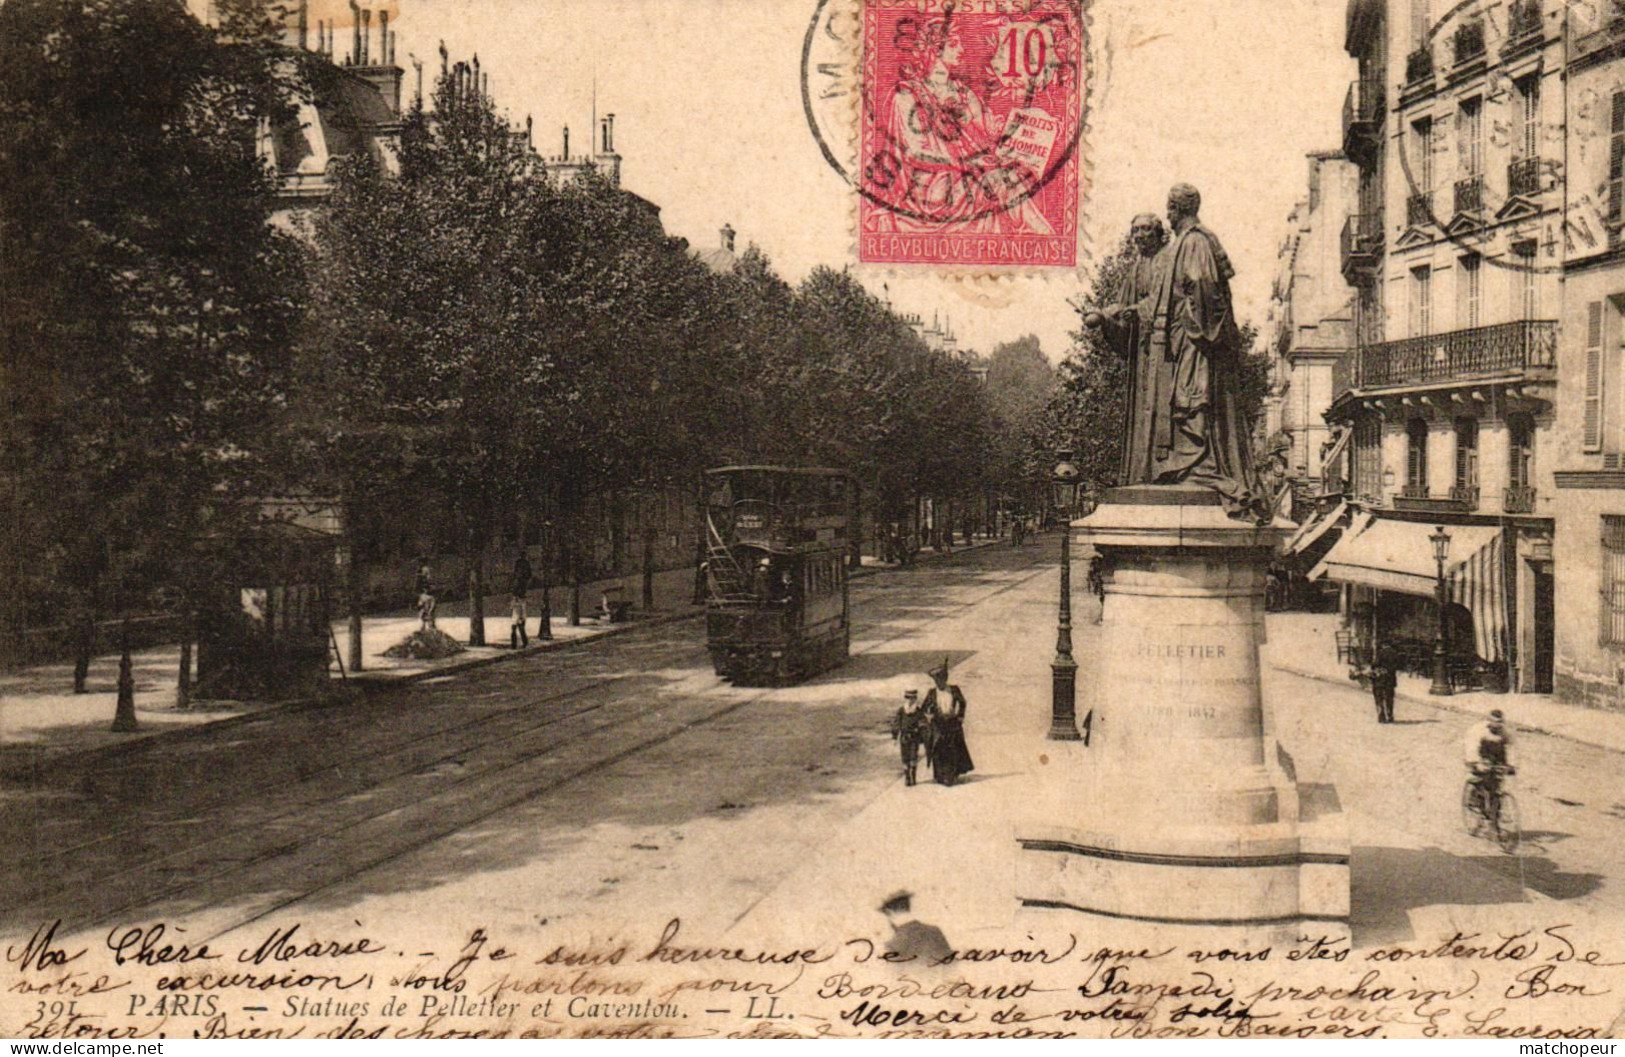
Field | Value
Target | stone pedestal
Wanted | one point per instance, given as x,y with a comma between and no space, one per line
1183,809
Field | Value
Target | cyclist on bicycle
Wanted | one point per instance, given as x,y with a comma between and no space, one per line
1485,752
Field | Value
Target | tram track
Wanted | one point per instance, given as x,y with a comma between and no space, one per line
389,815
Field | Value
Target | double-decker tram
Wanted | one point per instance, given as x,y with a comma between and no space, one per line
777,544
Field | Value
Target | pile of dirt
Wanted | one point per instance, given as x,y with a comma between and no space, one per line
425,644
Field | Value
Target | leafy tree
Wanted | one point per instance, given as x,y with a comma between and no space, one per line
145,299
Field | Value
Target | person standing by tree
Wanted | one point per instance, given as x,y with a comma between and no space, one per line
520,587
425,590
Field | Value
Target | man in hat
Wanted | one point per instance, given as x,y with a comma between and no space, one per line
944,703
913,940
908,728
1384,680
1484,750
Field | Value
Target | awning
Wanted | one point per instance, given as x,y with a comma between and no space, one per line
1335,450
1397,556
1313,529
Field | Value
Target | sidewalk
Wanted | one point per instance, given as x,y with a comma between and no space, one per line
41,717
1304,644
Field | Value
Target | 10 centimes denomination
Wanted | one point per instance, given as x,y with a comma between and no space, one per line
969,121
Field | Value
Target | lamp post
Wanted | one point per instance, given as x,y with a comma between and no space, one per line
1441,674
1064,670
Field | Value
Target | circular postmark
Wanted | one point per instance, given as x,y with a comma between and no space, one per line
947,114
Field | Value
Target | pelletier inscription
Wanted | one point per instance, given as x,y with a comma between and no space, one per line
157,980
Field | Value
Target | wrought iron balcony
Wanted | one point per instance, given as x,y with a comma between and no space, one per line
1413,491
1362,245
1523,176
1362,119
1470,195
1460,355
1419,209
1468,42
1518,500
1523,22
1466,494
1419,66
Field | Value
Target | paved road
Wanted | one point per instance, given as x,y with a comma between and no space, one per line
622,776
470,772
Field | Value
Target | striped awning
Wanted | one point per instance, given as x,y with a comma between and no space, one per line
1397,556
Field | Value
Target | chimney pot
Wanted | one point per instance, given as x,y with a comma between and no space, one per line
566,142
304,24
366,38
355,33
383,38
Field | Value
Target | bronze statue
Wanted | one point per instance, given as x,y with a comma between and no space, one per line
1121,323
1189,357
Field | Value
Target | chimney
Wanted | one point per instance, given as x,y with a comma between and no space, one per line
528,141
355,33
728,237
567,142
304,24
366,38
609,134
391,59
603,135
383,38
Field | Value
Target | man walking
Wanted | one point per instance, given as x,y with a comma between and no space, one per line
1383,680
517,638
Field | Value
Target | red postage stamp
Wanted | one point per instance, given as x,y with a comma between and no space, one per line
970,125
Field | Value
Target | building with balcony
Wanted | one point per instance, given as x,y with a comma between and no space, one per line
1448,399
1589,545
1312,324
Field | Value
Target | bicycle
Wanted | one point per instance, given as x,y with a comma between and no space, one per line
1500,817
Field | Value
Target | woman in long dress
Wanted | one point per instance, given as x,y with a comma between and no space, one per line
945,704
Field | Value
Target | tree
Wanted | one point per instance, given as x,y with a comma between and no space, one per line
146,300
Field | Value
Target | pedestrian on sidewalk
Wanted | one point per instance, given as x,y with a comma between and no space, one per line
520,589
1383,681
945,705
425,590
908,726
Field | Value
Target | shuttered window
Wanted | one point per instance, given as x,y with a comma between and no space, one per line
1611,625
1467,454
1616,167
1416,462
1593,380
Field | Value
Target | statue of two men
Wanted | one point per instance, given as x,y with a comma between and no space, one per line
1175,323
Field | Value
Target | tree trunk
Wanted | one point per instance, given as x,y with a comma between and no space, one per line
476,597
353,581
648,559
84,646
124,713
855,533
572,571
700,546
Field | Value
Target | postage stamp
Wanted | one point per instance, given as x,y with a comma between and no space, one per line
970,116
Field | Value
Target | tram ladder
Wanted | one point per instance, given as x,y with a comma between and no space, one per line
728,577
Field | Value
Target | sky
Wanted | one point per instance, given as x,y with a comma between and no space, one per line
1226,94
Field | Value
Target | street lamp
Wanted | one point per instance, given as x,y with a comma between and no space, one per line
1441,675
1064,671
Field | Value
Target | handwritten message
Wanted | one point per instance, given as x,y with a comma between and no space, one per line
156,980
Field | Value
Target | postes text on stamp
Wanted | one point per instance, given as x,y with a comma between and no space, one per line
969,128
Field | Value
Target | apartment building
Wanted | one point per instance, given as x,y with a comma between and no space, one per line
1455,125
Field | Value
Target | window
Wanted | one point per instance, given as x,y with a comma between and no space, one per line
1616,166
1420,20
1421,321
1520,451
1470,136
1469,290
1422,154
1525,291
1592,431
1527,144
1611,628
1368,458
1466,460
1416,458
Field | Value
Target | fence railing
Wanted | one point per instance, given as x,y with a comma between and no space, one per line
1457,355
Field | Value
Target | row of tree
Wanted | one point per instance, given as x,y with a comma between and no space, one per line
467,337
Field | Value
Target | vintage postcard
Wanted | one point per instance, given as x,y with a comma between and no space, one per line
812,518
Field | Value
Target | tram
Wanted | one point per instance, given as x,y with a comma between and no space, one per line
777,540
